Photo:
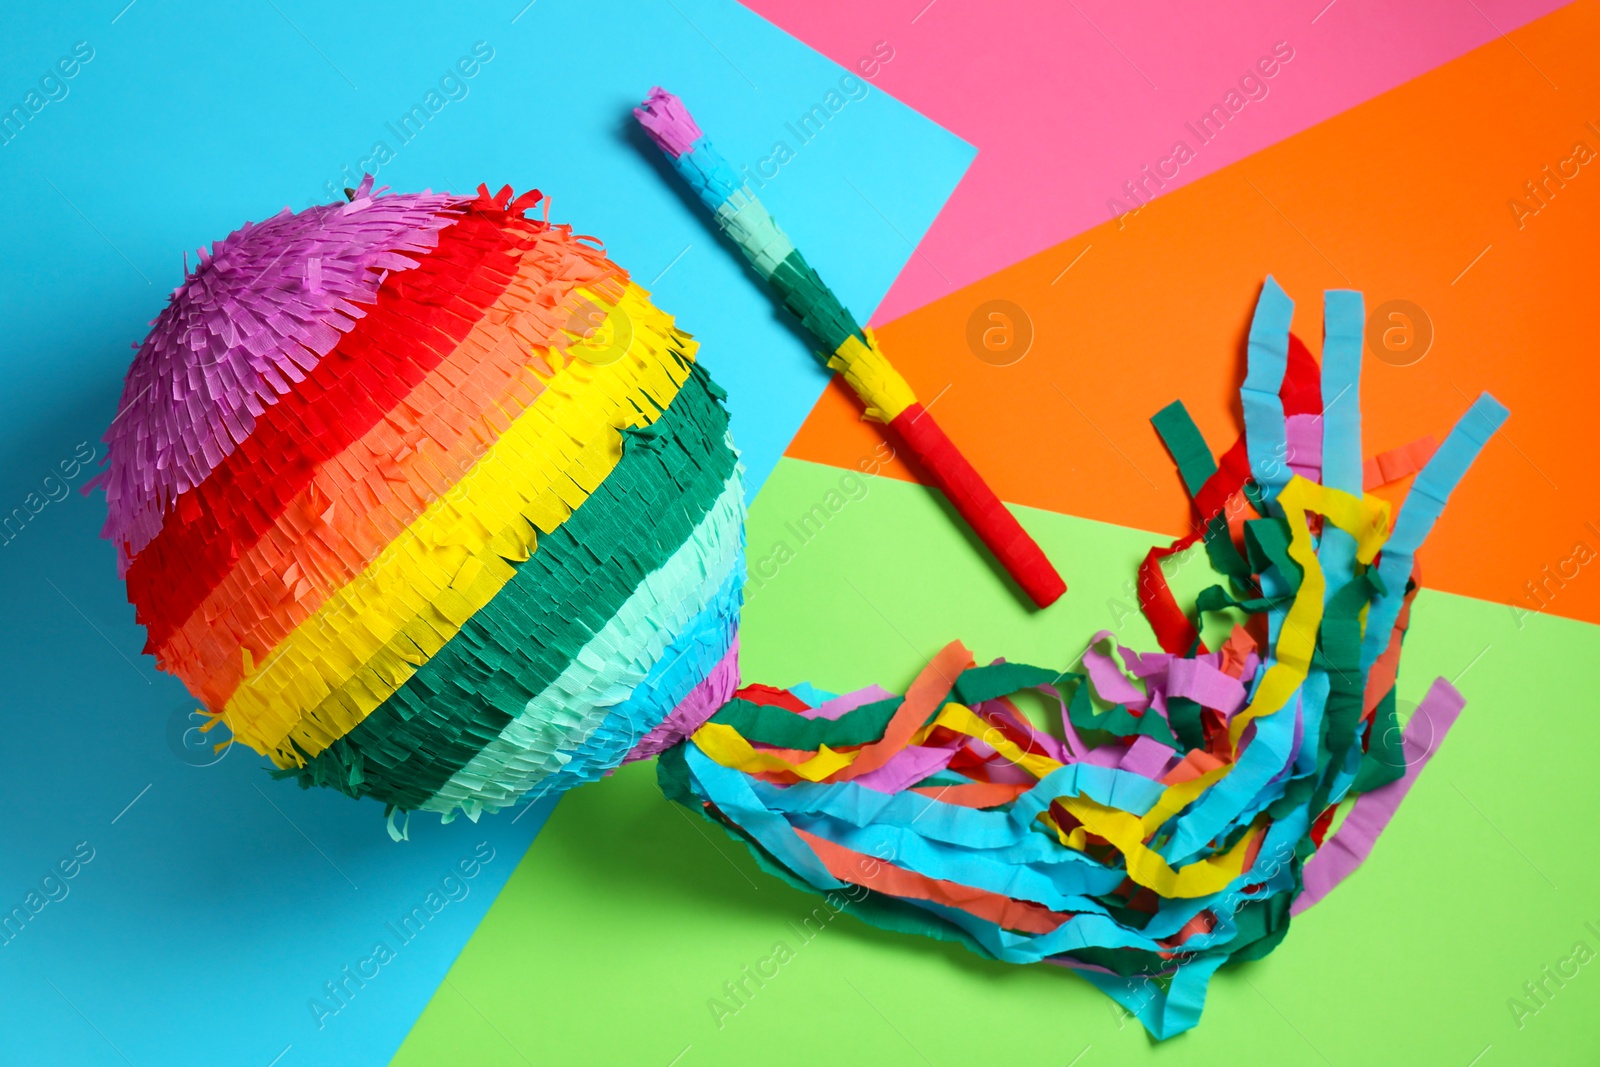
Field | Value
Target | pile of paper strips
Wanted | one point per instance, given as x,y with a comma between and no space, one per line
1189,801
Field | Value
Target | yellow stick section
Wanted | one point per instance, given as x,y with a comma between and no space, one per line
874,379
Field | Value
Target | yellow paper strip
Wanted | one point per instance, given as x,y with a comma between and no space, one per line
1366,520
1145,865
728,747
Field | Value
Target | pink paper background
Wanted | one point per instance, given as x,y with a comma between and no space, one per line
1050,95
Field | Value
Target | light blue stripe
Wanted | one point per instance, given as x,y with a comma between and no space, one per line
1421,510
683,666
707,173
731,791
1221,805
1263,408
750,226
605,671
1343,318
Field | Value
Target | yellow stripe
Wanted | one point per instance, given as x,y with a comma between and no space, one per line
1145,865
369,638
1366,520
1126,831
728,747
964,720
1123,829
873,378
1177,797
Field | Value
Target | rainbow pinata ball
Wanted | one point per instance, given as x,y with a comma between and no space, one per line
426,501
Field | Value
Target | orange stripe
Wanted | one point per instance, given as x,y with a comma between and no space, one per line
366,496
976,794
922,698
861,869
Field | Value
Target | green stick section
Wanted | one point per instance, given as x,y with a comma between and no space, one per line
624,922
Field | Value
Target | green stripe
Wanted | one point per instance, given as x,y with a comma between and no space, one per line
771,725
1267,541
1196,466
1225,558
1183,439
1118,721
669,476
814,304
1339,650
782,728
1385,760
977,684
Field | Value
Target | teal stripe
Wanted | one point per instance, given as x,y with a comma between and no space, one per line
565,592
749,225
538,742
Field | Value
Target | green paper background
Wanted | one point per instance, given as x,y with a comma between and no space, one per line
627,915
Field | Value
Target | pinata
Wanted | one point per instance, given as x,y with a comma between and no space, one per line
428,503
402,516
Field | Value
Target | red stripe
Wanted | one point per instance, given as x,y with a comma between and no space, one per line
1319,828
418,319
1302,381
769,697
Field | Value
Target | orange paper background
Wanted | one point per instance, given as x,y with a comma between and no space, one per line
1395,198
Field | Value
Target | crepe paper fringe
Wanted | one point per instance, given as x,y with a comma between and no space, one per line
667,122
360,645
371,502
699,704
247,324
1174,820
748,224
1389,467
385,356
377,495
605,673
1351,844
709,647
670,476
884,393
844,345
296,535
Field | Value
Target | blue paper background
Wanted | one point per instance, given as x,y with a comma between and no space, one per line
220,902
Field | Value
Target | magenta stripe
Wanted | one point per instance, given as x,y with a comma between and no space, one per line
252,318
715,690
1350,846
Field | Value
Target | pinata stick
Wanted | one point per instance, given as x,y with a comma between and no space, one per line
848,348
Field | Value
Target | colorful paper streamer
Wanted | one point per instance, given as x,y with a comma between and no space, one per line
1181,808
